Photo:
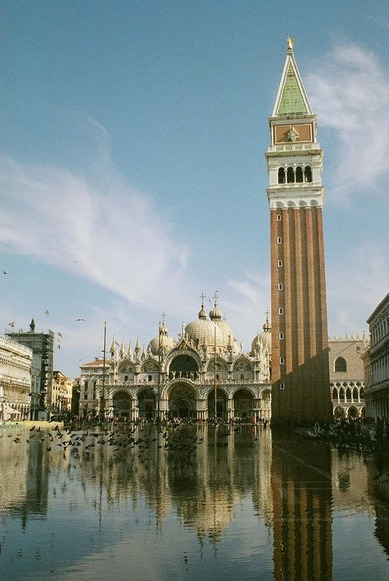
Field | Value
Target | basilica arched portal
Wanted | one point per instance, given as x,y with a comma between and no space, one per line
183,365
147,404
122,404
221,404
243,404
181,401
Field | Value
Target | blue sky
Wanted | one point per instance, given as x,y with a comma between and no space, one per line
134,177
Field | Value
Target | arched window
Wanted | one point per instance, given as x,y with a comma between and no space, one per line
308,173
290,175
281,175
340,364
299,174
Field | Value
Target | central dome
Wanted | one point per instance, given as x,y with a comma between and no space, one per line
204,333
210,332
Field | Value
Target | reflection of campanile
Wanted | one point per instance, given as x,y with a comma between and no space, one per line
300,368
302,520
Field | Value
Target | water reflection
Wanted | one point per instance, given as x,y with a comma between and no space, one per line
206,502
302,495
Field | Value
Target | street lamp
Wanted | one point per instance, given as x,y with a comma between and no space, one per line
102,400
215,379
159,370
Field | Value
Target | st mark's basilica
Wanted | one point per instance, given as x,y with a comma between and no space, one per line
202,374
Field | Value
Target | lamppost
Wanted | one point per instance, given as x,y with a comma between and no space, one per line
215,379
159,371
102,400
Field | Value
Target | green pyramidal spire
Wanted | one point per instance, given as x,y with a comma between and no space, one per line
291,97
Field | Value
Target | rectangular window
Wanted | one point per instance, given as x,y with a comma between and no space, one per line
282,360
282,385
278,217
279,240
280,286
281,311
280,263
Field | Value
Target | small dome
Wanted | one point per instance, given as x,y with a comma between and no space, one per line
215,314
263,340
202,313
161,341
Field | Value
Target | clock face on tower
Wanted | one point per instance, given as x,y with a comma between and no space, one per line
301,133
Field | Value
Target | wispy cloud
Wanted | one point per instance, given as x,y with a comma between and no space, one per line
117,239
106,232
357,282
350,93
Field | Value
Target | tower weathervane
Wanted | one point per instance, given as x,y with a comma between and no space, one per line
290,42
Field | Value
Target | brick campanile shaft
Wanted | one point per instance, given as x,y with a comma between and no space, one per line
300,365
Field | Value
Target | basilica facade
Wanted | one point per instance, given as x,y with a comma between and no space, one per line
202,374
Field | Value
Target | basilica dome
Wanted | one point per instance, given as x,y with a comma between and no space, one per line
263,340
208,332
161,341
228,338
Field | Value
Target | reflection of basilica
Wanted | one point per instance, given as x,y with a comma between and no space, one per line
203,475
202,482
180,378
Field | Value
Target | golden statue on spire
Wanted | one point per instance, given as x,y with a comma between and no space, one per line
290,42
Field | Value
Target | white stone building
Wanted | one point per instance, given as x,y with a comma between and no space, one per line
377,362
179,378
347,376
15,380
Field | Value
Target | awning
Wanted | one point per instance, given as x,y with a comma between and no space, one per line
9,410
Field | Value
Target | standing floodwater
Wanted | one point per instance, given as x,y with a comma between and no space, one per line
189,502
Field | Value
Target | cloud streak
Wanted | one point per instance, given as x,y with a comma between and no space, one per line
114,236
117,239
350,94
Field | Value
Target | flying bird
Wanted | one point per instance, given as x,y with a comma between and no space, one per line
59,334
75,320
4,272
47,312
12,324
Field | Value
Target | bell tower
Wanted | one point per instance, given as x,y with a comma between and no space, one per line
300,364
